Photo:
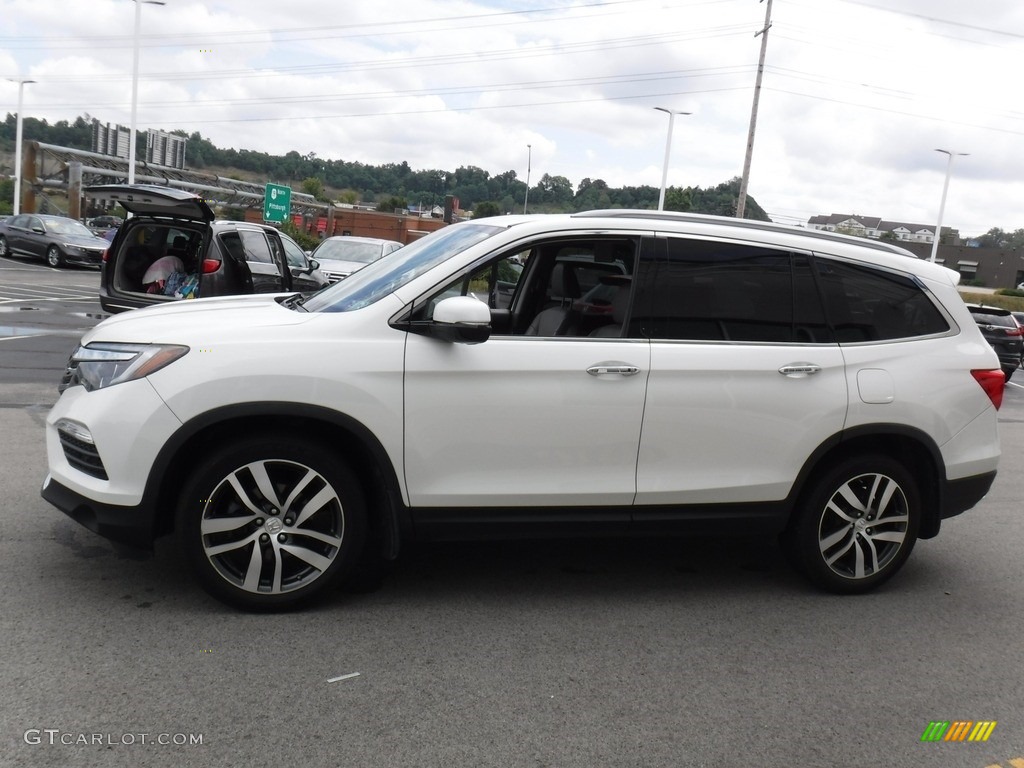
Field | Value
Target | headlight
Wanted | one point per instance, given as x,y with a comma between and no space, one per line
74,248
103,364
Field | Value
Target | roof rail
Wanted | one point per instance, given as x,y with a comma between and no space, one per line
770,226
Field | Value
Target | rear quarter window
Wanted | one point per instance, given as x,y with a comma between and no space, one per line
866,304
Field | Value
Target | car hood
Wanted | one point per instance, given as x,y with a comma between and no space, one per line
171,322
85,242
339,265
152,200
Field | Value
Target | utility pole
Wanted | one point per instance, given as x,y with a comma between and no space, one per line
529,162
741,204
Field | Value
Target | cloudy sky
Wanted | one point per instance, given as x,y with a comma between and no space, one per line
857,94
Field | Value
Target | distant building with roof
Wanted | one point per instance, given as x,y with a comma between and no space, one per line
875,228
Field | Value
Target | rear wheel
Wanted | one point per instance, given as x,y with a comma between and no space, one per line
54,257
269,523
856,525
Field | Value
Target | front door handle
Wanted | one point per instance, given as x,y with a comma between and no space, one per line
622,370
799,370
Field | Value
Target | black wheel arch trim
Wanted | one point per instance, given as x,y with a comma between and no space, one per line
941,499
395,520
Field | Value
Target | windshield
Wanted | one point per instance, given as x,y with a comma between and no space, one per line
385,276
343,249
68,227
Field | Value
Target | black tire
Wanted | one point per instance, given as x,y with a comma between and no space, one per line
3,246
1008,372
235,544
54,257
838,539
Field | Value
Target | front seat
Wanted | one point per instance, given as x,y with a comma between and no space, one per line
620,305
559,320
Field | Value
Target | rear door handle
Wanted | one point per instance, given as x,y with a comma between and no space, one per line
622,370
799,370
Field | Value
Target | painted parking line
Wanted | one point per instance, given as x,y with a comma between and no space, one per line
1019,386
49,298
49,289
11,296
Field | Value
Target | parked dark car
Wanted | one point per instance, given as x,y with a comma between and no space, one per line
100,225
172,248
57,239
1003,332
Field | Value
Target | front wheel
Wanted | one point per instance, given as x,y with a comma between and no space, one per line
3,246
856,525
1008,371
268,523
54,257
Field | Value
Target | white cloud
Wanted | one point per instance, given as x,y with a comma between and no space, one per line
856,97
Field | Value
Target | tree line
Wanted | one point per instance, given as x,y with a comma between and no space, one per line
398,185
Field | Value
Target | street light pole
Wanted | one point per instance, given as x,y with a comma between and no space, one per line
942,204
135,85
668,152
529,162
17,144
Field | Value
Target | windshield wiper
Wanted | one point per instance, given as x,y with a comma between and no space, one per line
295,302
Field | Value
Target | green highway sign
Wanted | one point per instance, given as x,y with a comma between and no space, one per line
277,203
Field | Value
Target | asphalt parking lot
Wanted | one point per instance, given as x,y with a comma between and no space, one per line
600,653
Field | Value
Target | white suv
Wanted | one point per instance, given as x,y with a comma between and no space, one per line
735,376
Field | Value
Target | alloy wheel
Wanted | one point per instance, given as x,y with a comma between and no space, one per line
272,526
863,526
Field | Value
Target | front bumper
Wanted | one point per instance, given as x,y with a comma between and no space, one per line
135,526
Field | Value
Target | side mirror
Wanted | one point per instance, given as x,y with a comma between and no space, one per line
313,265
461,319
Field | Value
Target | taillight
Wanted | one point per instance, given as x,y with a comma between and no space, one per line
106,255
1018,331
993,382
210,265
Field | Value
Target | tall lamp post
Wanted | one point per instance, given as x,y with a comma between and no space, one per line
942,204
17,144
529,162
135,85
668,152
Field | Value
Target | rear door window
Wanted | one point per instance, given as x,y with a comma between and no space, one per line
251,248
704,290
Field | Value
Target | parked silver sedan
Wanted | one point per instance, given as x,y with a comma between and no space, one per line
342,255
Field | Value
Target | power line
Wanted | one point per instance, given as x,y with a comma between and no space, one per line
531,85
936,19
503,54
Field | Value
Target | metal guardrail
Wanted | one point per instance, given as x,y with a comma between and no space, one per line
46,168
